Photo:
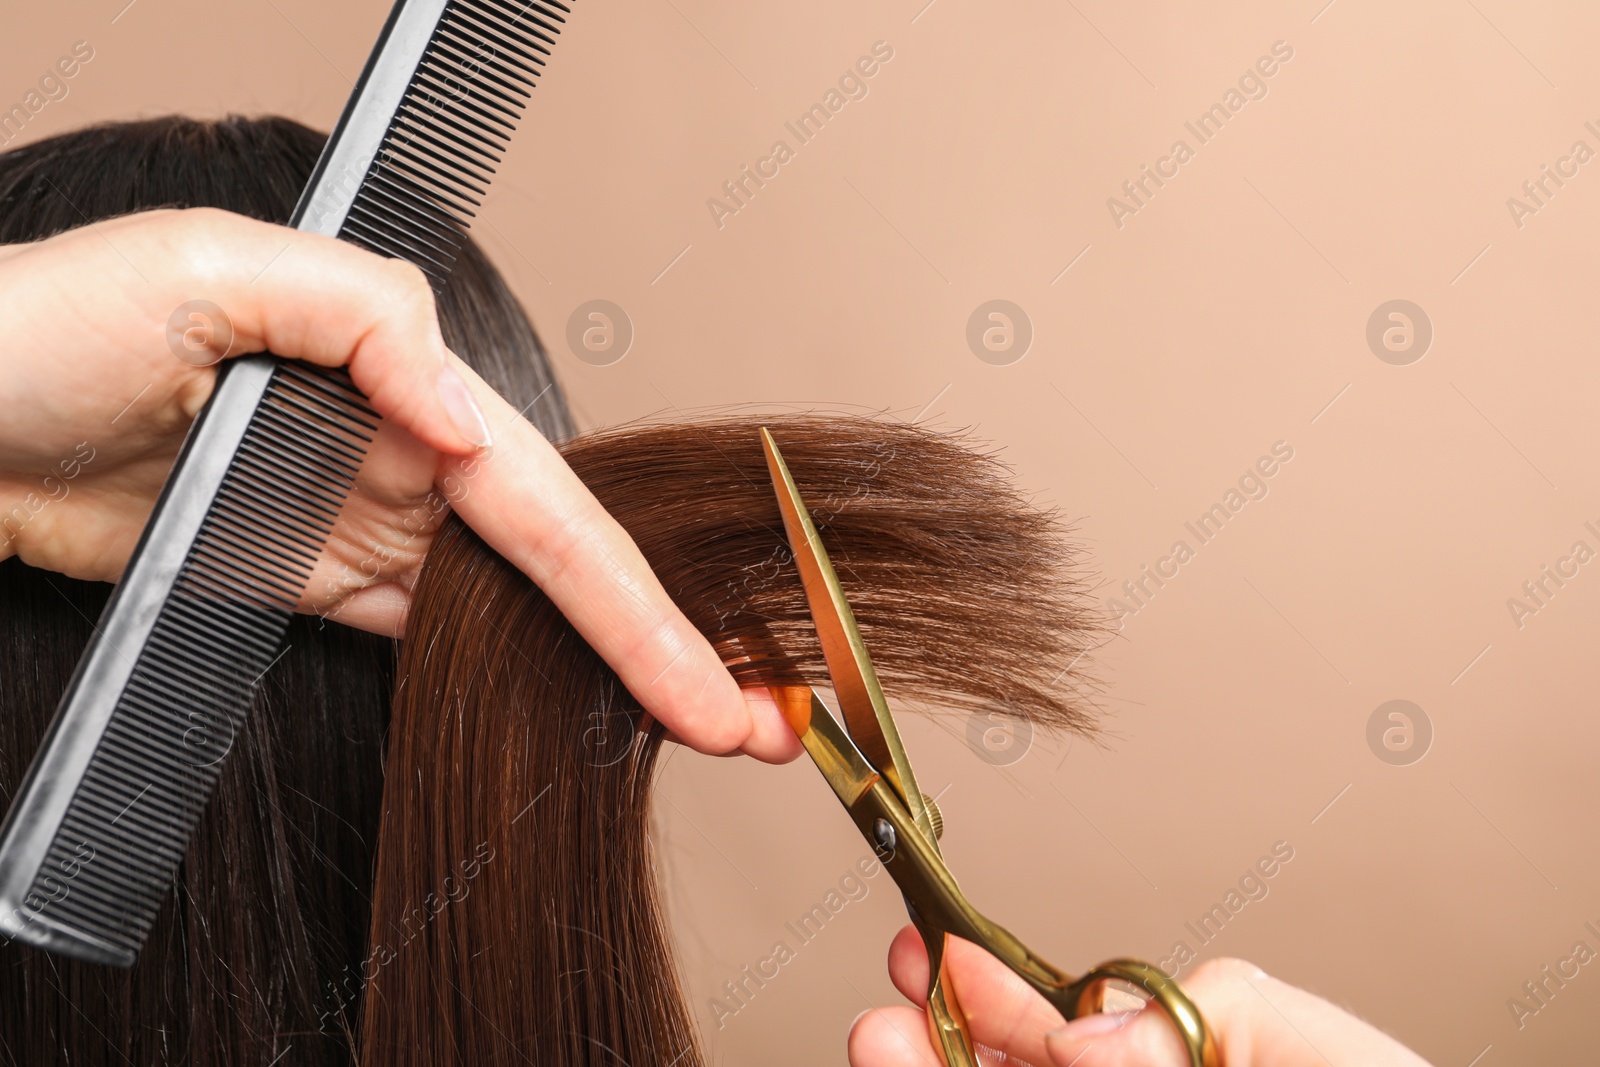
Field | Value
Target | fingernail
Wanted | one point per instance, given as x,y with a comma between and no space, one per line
465,414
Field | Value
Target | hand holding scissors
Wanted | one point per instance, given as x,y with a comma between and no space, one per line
1256,1020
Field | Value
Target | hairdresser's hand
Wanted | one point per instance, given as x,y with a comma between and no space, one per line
96,401
1257,1021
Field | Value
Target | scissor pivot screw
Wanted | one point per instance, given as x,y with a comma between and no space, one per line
883,834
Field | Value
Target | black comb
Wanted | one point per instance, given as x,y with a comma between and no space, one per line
93,841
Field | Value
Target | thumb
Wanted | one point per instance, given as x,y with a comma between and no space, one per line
1255,1021
307,297
1145,1038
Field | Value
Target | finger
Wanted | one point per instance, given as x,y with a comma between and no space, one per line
530,507
891,1037
1255,1020
783,748
1144,1038
771,737
898,1037
309,297
379,609
908,963
1002,1010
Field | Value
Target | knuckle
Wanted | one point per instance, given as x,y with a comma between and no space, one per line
209,218
197,225
197,239
658,650
1226,969
409,279
558,552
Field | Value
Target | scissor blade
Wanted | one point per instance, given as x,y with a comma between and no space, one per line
843,766
866,712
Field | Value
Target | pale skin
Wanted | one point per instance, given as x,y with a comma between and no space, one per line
85,360
1257,1021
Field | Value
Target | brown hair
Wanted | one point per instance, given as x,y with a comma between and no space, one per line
515,916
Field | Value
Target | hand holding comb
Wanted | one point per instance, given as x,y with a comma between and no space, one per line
92,841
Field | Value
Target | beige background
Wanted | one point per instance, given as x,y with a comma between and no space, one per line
1226,315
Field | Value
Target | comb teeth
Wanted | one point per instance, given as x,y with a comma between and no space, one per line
126,828
450,130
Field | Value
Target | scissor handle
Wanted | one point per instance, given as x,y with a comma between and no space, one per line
939,907
947,1023
1087,995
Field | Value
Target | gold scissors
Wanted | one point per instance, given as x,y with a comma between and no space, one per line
872,777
